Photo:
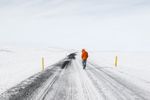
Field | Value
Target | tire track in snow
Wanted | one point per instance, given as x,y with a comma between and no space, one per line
118,89
105,87
25,90
65,88
62,86
47,87
89,90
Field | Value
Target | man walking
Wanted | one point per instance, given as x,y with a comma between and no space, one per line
84,57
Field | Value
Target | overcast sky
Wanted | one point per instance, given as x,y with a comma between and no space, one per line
93,24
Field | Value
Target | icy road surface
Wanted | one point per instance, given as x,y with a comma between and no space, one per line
74,83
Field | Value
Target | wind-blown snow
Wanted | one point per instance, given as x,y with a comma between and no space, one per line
101,79
17,64
134,66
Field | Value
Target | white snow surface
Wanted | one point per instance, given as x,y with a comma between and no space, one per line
95,83
17,64
101,79
132,66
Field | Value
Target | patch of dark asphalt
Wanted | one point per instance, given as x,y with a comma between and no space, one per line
72,55
67,61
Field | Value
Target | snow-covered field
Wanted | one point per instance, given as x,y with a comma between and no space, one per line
134,66
17,64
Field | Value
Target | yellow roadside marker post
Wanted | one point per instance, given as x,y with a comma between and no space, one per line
43,63
116,61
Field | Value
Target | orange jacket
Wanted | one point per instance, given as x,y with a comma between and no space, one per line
84,55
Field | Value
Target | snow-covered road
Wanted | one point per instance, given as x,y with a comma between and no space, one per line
114,87
74,83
